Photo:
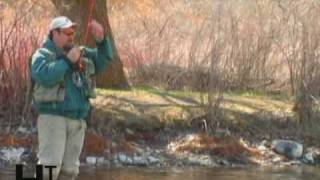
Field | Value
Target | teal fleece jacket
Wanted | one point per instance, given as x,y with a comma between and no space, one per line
76,104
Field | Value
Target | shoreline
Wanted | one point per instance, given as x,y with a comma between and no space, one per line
188,149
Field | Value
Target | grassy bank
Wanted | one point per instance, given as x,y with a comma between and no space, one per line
254,115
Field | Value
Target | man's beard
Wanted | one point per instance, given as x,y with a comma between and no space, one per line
67,48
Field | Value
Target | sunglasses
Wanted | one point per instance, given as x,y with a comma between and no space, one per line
70,33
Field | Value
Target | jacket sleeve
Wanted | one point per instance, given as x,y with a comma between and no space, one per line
102,55
46,72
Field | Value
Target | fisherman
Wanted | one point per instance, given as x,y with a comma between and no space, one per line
62,72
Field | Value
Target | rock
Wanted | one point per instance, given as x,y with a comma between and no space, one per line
114,159
11,155
276,159
27,155
129,161
311,156
225,162
122,158
23,130
290,149
291,163
140,161
202,160
265,143
91,160
153,160
308,158
206,161
102,161
262,148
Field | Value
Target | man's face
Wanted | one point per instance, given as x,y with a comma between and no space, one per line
64,38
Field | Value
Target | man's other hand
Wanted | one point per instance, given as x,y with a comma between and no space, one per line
96,30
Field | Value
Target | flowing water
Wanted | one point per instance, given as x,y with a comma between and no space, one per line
90,173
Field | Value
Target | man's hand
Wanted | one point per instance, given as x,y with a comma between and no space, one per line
96,30
74,54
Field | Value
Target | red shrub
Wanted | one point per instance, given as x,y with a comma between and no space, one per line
18,40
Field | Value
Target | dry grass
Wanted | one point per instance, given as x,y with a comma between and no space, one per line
225,147
13,141
156,108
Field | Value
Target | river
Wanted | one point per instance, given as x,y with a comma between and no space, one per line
252,173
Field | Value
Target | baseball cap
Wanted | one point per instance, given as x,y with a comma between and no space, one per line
61,22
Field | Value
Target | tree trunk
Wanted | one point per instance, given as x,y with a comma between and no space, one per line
78,11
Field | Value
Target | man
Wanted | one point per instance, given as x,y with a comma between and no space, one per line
62,76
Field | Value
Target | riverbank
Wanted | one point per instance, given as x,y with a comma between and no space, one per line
187,149
151,127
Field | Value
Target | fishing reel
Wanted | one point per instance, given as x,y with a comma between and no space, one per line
81,64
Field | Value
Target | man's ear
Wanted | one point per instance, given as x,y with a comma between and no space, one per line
56,31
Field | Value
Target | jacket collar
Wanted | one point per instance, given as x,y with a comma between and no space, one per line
49,44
